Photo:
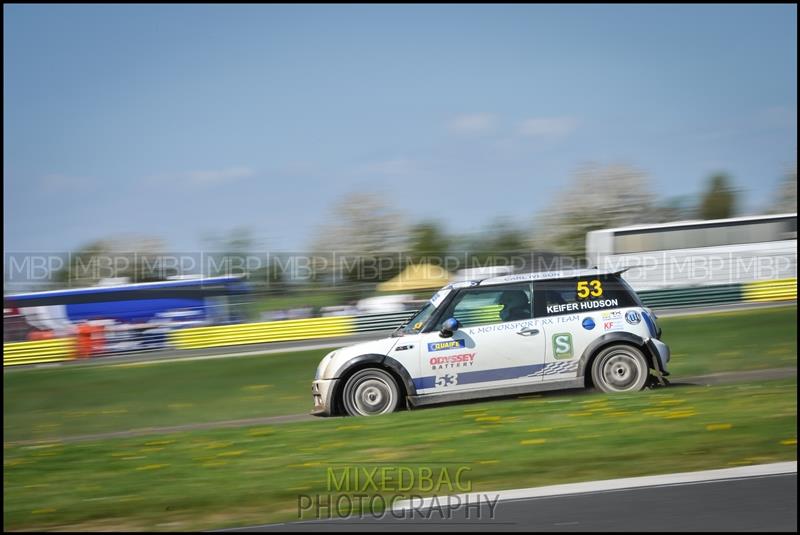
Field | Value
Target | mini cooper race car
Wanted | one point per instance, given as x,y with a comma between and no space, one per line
501,336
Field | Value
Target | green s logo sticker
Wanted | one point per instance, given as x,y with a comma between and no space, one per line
562,346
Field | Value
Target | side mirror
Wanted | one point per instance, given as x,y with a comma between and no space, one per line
449,326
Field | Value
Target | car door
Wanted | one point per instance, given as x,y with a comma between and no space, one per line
498,344
574,312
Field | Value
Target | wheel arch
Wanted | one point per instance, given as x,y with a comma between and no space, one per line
373,360
594,348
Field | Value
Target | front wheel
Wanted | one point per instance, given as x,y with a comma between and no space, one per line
369,392
620,368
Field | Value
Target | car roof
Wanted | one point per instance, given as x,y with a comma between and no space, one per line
545,275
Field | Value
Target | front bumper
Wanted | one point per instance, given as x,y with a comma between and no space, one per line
322,393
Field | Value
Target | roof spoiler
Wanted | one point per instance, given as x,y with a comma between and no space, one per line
620,272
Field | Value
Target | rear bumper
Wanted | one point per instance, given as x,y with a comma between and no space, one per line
660,353
322,394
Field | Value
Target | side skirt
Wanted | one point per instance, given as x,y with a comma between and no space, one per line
432,399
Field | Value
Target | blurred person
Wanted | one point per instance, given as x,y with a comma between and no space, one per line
516,306
40,335
97,336
84,339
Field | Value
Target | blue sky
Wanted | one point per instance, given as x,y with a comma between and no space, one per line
176,121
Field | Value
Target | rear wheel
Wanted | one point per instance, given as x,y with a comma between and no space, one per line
369,392
620,368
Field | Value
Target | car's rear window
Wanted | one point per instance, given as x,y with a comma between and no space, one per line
581,294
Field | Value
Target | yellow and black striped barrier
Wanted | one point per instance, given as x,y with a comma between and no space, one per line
38,351
774,290
255,333
307,329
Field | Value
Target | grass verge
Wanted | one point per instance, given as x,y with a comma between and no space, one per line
69,401
210,479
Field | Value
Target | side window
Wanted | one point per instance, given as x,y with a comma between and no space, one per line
582,294
491,304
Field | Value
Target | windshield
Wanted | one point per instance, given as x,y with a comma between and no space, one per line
419,319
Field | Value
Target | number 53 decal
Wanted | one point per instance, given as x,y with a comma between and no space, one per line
584,291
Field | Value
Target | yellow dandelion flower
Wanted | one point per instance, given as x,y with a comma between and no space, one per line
256,387
260,432
152,467
216,445
159,442
231,453
680,414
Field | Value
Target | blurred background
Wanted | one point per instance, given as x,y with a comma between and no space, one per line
349,160
185,184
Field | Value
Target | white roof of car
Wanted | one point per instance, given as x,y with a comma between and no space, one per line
543,275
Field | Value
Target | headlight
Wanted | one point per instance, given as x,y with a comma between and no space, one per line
323,364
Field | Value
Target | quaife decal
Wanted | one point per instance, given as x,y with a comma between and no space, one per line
562,346
450,344
633,317
452,361
588,324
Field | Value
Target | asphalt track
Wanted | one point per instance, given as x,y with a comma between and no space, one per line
762,503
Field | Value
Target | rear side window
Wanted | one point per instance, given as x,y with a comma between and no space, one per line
582,294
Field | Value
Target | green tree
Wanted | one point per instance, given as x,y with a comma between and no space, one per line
428,241
135,258
719,200
363,237
504,238
786,196
499,244
230,254
597,197
673,209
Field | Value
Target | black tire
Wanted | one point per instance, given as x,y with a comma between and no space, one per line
370,392
620,368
